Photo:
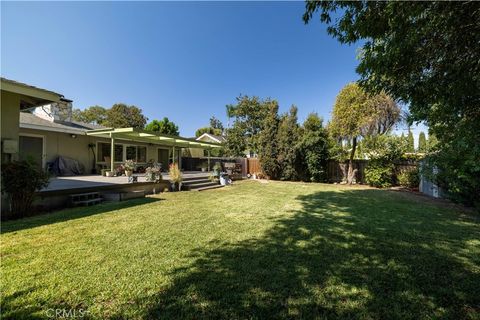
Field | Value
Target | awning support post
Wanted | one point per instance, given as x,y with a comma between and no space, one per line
208,160
112,152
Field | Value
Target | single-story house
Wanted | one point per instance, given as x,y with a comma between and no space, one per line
37,124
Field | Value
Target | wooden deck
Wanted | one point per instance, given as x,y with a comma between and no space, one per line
94,181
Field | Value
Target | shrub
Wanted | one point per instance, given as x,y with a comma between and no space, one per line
20,180
409,178
379,176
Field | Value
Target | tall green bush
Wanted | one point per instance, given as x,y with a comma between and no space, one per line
20,181
313,149
288,138
268,144
383,151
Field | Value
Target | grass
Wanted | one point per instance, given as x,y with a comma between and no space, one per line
250,251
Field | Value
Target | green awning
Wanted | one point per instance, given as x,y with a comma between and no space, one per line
138,135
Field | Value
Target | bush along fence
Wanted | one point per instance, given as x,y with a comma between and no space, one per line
337,170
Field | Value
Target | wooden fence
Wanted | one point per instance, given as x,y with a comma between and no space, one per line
336,171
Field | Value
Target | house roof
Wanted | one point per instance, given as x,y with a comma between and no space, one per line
42,95
153,137
30,121
218,139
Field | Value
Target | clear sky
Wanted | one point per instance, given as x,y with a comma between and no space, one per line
183,60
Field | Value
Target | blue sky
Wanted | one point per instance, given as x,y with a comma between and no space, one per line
183,60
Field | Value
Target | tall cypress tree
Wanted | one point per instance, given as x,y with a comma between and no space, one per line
422,142
411,142
268,143
288,137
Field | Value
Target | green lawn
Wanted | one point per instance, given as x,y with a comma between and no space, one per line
250,251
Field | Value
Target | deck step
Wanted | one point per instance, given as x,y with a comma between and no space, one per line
202,177
201,184
209,187
88,202
85,199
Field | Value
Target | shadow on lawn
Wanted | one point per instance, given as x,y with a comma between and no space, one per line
70,214
375,257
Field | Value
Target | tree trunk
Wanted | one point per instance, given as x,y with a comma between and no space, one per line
351,172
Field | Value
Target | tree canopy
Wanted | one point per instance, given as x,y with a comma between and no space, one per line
164,126
215,128
358,114
248,118
119,115
427,55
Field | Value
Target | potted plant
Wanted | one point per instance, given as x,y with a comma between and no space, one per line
175,177
153,173
217,168
104,172
129,166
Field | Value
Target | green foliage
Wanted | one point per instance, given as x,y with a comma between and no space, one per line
422,142
209,130
313,149
164,126
410,142
349,112
379,175
425,54
215,128
268,144
383,151
119,115
94,115
20,181
288,138
216,124
409,178
385,148
458,169
248,115
357,114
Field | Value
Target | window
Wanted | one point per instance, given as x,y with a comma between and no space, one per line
141,154
131,152
103,152
118,153
137,153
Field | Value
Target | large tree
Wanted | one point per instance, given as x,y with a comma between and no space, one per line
164,126
248,115
313,149
422,142
215,128
94,115
349,119
410,142
119,115
426,54
216,124
288,138
268,143
357,114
